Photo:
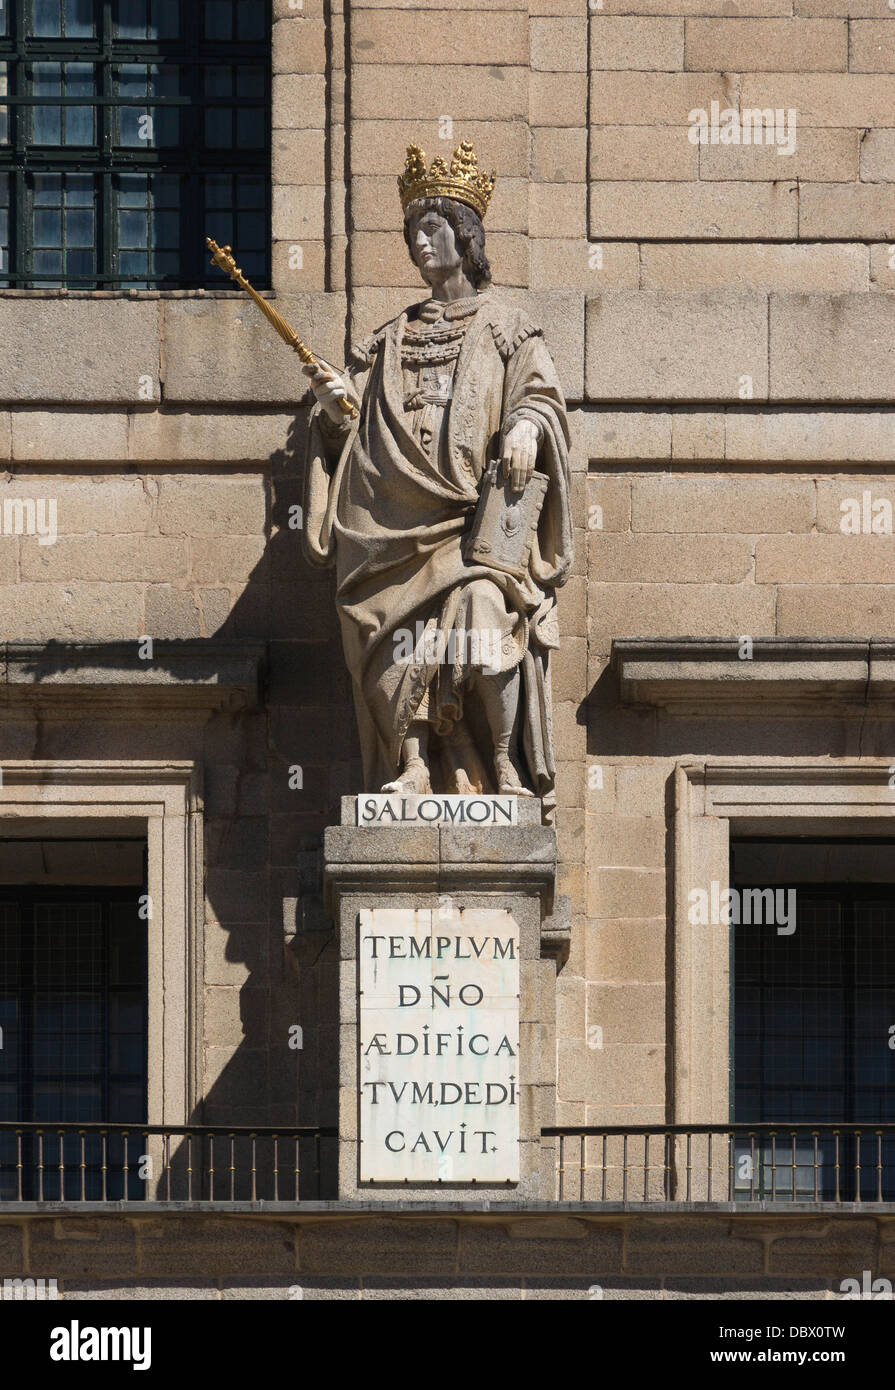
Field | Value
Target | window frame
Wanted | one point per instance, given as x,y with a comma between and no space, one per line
191,160
716,800
160,801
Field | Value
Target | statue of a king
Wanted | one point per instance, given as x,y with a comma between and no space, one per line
449,655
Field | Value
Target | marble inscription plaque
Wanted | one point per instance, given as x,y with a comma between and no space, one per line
439,1045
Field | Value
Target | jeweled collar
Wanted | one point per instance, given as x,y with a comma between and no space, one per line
431,310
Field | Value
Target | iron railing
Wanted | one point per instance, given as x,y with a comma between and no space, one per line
163,1163
733,1163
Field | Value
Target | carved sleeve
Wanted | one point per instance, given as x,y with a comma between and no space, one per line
532,390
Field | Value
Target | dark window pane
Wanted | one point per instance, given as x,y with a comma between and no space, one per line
218,81
79,19
130,1108
79,190
133,18
47,189
250,129
48,229
166,19
131,80
79,228
250,20
134,228
218,19
134,263
80,127
47,79
133,190
147,19
165,80
251,83
165,263
249,231
48,125
166,127
78,79
165,229
165,190
81,263
253,264
219,191
47,19
250,192
219,128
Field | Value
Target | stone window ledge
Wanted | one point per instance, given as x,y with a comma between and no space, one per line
795,674
140,295
182,676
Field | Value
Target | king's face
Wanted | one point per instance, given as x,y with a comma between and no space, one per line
433,245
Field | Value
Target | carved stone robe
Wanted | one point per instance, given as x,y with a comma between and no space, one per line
391,497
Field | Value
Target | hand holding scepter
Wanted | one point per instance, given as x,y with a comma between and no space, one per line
325,380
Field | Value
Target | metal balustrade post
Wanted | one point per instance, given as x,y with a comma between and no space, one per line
857,1166
646,1169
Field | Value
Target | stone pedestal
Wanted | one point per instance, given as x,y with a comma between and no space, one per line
446,909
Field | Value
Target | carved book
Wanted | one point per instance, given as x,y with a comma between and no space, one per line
505,523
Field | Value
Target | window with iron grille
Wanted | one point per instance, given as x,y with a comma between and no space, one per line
73,986
130,130
813,1009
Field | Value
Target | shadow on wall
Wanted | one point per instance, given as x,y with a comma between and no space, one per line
272,787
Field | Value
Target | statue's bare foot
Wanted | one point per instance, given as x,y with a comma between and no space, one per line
508,780
414,780
460,784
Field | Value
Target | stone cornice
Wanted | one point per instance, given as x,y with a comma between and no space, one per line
789,675
94,677
438,859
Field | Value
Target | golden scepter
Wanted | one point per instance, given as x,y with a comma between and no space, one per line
222,256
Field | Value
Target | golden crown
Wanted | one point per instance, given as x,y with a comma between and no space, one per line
461,180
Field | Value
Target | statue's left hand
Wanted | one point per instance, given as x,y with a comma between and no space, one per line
520,453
